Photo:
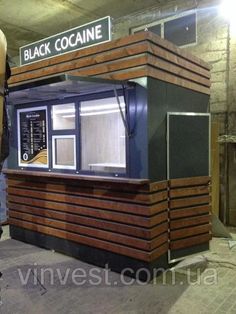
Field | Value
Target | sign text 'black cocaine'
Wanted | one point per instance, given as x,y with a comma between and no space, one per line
90,34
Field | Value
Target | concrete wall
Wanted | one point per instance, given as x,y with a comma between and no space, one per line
216,44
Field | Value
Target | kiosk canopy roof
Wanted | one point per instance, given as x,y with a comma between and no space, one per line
60,87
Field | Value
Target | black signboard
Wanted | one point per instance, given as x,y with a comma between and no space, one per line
32,132
90,34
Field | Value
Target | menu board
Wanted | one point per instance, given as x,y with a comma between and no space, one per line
32,141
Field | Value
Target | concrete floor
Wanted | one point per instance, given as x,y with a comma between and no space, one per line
203,284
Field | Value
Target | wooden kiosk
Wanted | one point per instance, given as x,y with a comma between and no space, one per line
110,153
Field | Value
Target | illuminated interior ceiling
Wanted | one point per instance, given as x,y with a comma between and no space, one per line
26,21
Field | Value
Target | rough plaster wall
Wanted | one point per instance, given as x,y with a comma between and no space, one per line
212,47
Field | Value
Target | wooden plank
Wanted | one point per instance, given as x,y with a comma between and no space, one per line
159,208
83,70
84,201
125,240
155,220
158,186
90,182
189,242
118,70
159,229
126,61
158,241
122,228
188,212
177,70
122,75
65,176
138,197
172,79
178,51
119,59
157,53
137,38
181,192
154,73
187,222
177,60
187,232
87,221
190,201
111,186
80,60
159,251
100,244
203,180
88,211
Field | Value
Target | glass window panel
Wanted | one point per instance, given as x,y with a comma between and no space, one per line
181,31
63,117
103,144
64,152
155,29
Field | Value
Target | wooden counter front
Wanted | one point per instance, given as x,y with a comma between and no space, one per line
123,216
129,218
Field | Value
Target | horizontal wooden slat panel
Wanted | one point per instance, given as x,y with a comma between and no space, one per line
85,68
104,212
181,192
124,69
188,212
186,222
172,79
92,212
122,228
140,198
177,70
173,183
83,201
190,201
172,58
83,61
187,232
122,75
85,211
112,247
87,221
135,39
154,73
176,50
142,55
89,202
189,242
134,242
124,42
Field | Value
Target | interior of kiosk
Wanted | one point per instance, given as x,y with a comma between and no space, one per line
71,123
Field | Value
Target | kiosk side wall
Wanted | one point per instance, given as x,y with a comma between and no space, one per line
162,98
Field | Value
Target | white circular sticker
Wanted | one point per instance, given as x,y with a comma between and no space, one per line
25,156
